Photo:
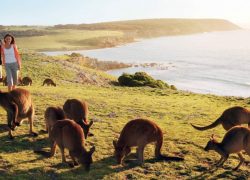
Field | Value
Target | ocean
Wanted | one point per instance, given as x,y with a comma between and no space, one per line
210,63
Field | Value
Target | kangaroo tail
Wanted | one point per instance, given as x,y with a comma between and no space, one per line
170,158
214,124
43,153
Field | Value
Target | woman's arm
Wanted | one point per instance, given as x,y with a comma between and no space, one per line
18,57
2,55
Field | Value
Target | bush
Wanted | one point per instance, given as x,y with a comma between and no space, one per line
173,87
75,55
140,79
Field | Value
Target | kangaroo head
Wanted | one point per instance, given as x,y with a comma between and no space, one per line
85,127
119,152
86,159
212,144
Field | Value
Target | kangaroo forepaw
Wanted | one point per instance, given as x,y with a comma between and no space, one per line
71,164
34,134
43,131
76,164
218,165
246,162
235,169
90,134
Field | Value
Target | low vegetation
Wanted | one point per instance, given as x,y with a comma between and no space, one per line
94,63
141,79
111,107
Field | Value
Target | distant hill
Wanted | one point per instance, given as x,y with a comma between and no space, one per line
108,34
158,27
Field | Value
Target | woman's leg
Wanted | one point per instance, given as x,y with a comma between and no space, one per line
1,72
9,76
14,71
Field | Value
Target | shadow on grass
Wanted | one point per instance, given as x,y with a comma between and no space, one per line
184,142
99,169
3,128
227,174
103,167
230,174
22,142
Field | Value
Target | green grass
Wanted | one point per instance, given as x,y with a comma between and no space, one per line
172,110
66,40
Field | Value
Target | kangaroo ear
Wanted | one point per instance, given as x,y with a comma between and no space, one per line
115,143
90,123
92,150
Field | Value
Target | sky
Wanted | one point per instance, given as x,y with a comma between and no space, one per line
52,12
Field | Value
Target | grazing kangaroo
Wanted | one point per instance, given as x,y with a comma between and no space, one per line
234,141
140,132
18,105
230,117
52,115
26,81
68,134
49,82
78,111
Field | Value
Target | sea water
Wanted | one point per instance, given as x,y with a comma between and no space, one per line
214,63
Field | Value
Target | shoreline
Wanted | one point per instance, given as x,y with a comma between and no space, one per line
191,89
206,91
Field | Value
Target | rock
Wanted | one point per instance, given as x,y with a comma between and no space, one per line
112,115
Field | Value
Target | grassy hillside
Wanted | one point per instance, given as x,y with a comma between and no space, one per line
109,34
158,27
111,107
68,40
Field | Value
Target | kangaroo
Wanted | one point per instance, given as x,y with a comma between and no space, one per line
26,81
78,111
68,134
234,141
5,83
140,132
18,105
4,80
230,117
51,116
49,82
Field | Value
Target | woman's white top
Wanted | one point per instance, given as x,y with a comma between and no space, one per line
10,55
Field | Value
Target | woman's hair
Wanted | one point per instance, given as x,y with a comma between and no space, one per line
12,37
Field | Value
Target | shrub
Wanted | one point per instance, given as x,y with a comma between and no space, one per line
140,79
75,55
173,87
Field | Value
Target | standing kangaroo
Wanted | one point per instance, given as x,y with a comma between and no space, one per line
78,111
68,134
52,115
140,132
18,105
234,141
230,117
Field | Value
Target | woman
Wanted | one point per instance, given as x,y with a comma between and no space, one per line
1,70
11,60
